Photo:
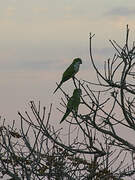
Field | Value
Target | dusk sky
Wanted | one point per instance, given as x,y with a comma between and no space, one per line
39,39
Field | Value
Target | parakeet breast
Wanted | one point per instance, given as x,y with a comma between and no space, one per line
76,66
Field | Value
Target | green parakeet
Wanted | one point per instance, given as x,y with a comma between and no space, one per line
73,103
70,71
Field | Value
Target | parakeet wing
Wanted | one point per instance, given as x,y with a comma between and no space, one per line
69,109
72,105
76,104
69,73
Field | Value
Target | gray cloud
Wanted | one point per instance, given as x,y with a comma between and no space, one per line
121,11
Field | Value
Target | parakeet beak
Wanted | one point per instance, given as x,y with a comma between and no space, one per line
81,62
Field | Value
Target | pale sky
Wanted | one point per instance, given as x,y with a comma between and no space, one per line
39,39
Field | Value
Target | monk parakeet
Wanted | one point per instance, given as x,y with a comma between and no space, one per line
73,103
70,71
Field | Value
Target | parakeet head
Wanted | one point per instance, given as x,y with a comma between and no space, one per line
77,60
77,92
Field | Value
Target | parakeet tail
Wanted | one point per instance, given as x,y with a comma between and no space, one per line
57,87
64,117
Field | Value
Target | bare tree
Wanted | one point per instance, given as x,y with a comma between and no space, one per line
95,148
